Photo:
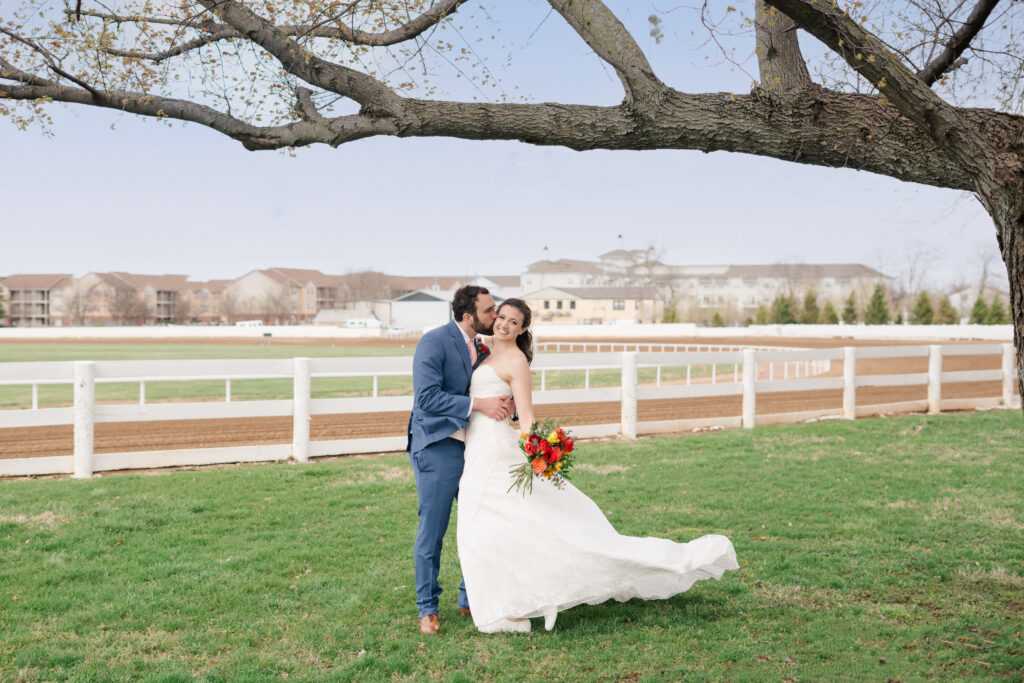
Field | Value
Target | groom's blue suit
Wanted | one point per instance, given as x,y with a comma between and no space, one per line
441,371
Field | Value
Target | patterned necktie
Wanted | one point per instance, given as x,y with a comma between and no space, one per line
472,352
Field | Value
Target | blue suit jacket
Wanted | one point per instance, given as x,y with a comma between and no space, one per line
441,372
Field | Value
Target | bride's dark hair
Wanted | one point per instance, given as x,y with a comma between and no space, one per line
525,339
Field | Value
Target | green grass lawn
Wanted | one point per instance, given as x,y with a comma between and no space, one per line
885,549
54,395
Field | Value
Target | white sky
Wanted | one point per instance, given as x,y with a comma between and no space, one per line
151,199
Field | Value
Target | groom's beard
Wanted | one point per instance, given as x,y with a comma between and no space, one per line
480,328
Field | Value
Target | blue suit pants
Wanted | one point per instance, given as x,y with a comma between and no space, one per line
437,468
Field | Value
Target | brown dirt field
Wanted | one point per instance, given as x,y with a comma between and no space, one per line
146,436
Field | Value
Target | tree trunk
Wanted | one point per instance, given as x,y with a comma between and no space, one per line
1007,211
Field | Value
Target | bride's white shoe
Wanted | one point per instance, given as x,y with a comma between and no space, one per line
509,626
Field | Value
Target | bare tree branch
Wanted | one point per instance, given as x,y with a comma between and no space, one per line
610,40
958,42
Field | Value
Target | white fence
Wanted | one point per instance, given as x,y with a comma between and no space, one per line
753,372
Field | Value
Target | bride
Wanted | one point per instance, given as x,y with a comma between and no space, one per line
536,555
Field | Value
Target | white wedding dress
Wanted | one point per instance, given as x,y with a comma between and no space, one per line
536,555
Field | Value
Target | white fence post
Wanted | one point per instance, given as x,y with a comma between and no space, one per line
227,390
1009,376
142,392
934,379
35,397
850,383
629,380
85,403
749,387
300,416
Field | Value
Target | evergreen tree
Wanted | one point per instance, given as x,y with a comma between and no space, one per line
810,313
996,313
671,312
877,312
748,322
850,311
782,310
946,314
716,320
979,314
923,314
761,317
828,315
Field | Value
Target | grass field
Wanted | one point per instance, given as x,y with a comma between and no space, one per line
887,549
54,395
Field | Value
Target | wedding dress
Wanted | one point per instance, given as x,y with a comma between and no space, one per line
536,555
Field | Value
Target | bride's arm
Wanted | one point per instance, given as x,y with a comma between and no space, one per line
522,389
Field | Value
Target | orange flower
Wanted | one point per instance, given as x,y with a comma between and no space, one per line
548,474
538,465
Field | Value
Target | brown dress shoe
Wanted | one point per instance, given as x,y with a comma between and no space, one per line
465,612
429,625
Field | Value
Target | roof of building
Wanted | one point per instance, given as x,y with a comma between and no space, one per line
301,276
566,266
601,292
172,283
804,271
35,281
423,295
503,280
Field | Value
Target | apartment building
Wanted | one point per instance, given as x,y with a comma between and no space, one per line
595,305
698,292
33,300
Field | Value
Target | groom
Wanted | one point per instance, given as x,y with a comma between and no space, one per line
441,370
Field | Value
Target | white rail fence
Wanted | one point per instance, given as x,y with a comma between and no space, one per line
754,372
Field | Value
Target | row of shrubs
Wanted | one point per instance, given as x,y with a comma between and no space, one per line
787,309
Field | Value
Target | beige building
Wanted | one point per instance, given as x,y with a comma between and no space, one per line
595,305
279,295
698,292
35,299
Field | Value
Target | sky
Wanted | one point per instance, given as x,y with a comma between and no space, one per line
112,192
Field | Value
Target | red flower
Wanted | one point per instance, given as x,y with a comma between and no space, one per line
530,447
567,445
544,447
556,454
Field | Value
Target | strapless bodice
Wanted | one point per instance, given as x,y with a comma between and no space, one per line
486,382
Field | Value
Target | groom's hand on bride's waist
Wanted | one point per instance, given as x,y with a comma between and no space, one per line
494,407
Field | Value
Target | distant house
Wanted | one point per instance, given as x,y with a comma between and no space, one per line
421,309
963,299
501,287
34,300
595,305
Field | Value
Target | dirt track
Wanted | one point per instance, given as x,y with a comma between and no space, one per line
145,436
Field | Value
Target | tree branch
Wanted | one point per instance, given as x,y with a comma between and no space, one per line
780,62
333,132
609,39
216,32
304,105
364,89
866,54
958,42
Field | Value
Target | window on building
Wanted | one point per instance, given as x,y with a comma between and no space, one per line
572,305
558,304
547,304
618,305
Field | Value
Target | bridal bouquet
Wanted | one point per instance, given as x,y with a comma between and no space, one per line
549,454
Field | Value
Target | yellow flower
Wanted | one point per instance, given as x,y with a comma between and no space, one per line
524,435
553,437
558,466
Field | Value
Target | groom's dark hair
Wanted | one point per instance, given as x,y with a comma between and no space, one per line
464,301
